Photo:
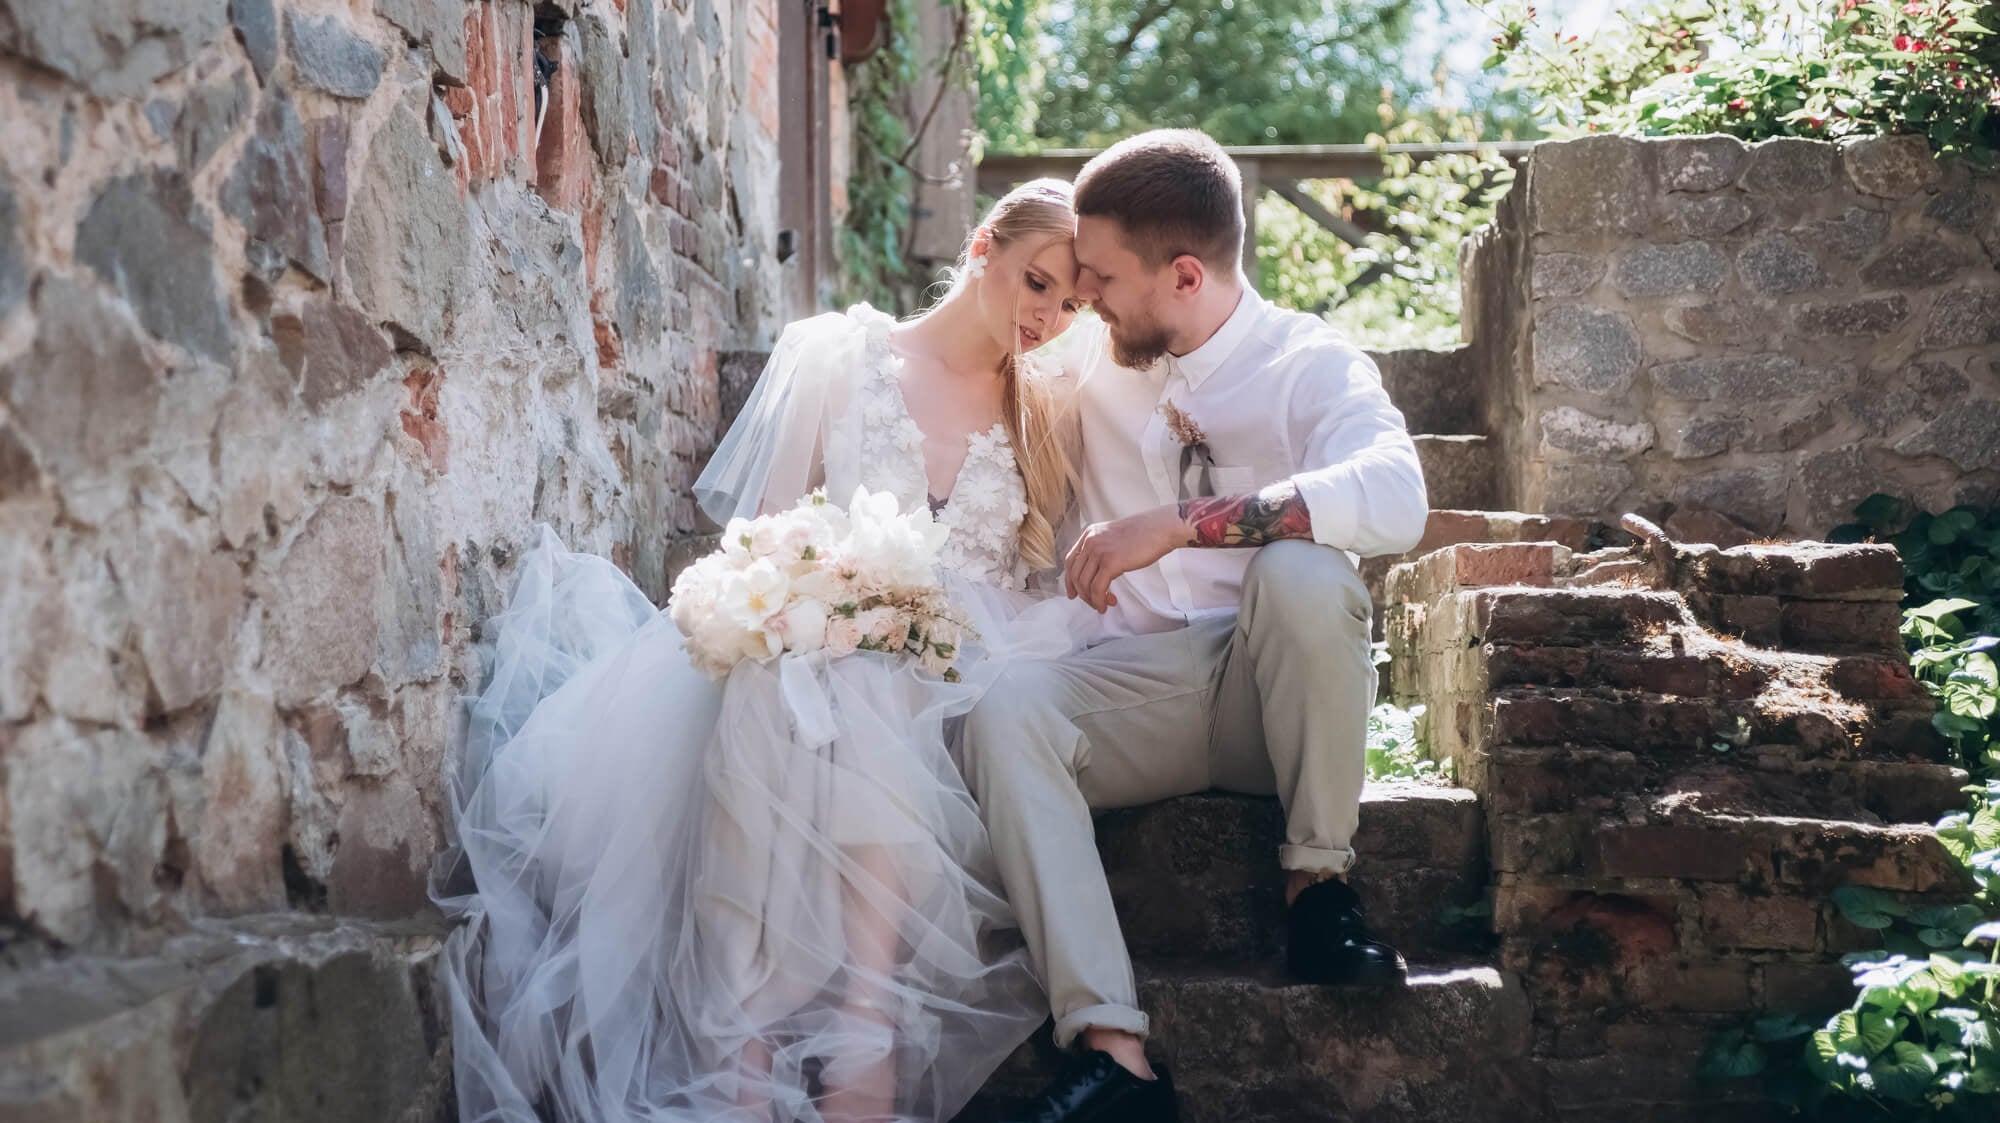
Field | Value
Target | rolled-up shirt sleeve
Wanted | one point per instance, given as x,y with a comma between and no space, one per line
1358,470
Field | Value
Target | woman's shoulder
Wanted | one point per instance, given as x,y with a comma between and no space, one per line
861,322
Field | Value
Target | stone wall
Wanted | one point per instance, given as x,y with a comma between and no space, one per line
305,320
1774,330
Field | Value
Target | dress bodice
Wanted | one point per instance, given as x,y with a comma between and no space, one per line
988,500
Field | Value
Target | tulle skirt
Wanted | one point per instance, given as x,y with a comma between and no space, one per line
688,900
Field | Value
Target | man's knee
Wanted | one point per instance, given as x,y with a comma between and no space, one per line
1018,730
1300,582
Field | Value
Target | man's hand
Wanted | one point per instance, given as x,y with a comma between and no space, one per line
1108,551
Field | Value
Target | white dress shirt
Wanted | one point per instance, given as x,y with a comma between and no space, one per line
1279,395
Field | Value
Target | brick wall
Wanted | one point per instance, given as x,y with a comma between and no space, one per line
302,327
1680,753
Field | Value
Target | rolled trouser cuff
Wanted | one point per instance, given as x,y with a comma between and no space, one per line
1124,1018
1314,859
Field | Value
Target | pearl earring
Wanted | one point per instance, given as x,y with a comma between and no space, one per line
975,266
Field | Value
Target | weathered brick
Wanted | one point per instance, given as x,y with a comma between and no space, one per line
1731,920
1682,852
1709,987
1542,781
1808,989
1823,856
1840,626
1574,617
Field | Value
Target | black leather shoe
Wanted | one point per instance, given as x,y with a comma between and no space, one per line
1093,1088
1329,943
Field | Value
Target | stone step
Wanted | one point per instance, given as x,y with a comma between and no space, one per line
1246,1047
1198,877
1436,391
286,1016
1726,731
1461,471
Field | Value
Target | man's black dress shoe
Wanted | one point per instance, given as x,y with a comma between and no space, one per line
1093,1088
1329,943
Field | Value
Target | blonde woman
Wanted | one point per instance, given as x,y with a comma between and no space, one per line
772,898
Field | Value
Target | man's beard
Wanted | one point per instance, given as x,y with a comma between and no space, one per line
1137,349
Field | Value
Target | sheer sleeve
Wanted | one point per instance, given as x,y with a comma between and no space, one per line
776,449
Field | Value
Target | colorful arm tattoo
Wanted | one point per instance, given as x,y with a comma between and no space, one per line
1278,511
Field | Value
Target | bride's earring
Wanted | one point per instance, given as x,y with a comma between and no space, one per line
975,266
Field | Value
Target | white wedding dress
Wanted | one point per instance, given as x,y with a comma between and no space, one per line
673,891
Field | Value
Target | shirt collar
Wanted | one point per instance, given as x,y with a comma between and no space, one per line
1198,364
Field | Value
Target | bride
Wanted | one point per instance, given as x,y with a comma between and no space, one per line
772,898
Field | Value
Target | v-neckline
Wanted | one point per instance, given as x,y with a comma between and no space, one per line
895,379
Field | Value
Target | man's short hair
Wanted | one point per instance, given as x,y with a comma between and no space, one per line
1174,191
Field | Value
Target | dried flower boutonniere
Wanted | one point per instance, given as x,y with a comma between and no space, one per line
1195,458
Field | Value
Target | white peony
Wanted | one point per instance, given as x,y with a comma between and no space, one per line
803,625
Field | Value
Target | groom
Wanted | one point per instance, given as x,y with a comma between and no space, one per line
1236,459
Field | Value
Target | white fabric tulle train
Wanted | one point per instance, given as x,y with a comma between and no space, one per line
680,885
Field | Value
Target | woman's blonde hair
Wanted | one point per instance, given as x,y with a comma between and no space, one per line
1038,207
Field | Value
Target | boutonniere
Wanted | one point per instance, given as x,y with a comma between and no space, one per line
1195,458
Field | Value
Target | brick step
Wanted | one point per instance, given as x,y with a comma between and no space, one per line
1246,1047
1727,731
1199,877
1774,856
1460,470
1590,778
259,1017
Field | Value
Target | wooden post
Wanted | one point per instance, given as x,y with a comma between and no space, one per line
1253,186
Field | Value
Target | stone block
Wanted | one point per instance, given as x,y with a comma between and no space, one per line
1914,264
275,1017
1963,318
1791,166
1776,264
1567,429
1576,488
1851,234
1873,317
1728,322
270,190
1709,216
147,237
1754,496
331,57
407,234
1732,919
1820,857
1586,349
1811,570
1564,275
1702,163
1968,436
1601,184
1664,270
1548,783
605,112
314,640
1703,436
1762,377
1834,482
1964,209
1892,167
436,24
112,48
244,779
256,24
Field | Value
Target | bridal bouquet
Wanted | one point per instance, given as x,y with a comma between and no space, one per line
817,578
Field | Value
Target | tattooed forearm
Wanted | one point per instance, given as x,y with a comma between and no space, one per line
1278,511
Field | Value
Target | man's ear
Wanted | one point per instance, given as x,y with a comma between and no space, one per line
1189,274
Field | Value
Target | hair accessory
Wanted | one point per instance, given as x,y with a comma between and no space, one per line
975,266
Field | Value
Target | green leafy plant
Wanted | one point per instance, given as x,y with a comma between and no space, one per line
1829,69
1396,747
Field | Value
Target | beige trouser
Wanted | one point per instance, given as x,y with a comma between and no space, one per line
1273,700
